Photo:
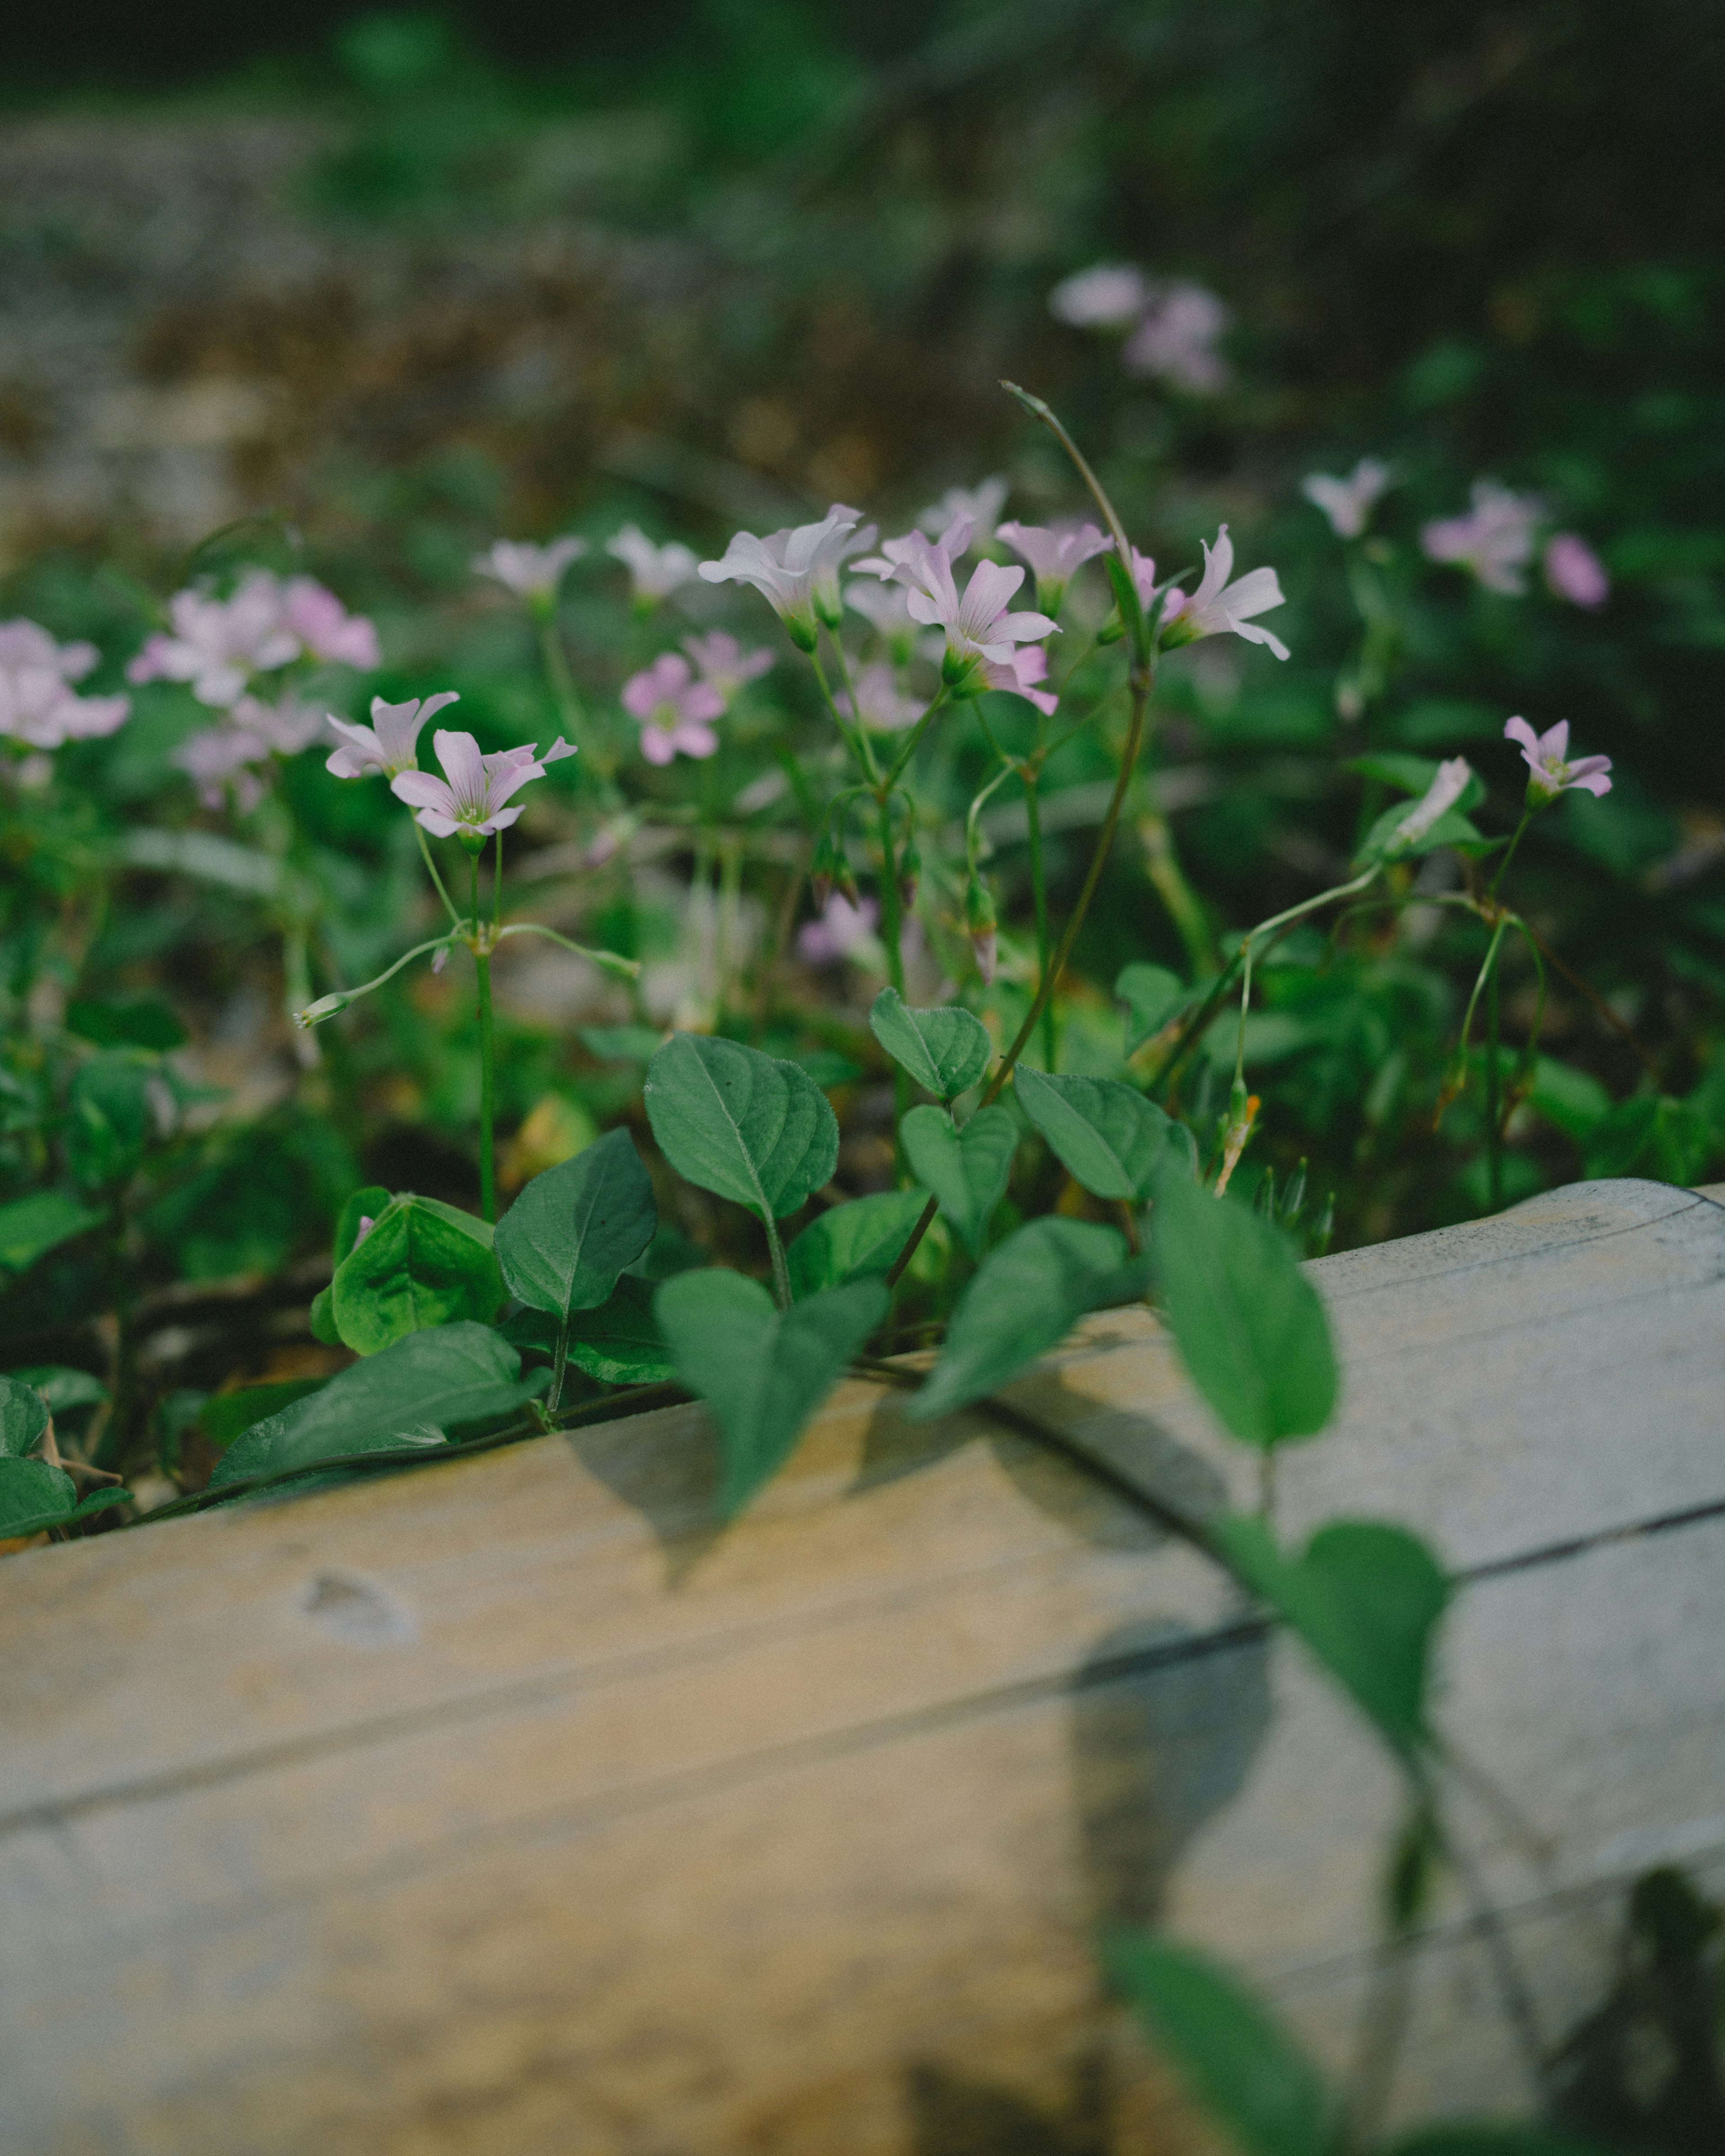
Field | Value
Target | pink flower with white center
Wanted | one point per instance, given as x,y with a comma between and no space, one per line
470,805
978,626
1348,502
883,708
1495,540
1111,295
978,506
1573,572
324,627
1218,608
1449,783
38,705
654,573
1027,666
796,571
1547,758
844,931
529,571
1176,341
1055,554
721,662
217,645
675,711
390,744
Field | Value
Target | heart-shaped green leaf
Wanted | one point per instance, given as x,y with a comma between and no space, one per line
423,1263
1242,2064
412,1394
853,1241
944,1050
1250,1325
65,1390
1026,1297
1152,995
31,1227
1110,1137
573,1228
226,1416
750,1127
762,1371
33,1495
1365,1598
966,1169
369,1204
24,1417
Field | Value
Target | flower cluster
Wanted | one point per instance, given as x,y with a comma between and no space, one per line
39,708
218,645
1173,326
234,758
675,700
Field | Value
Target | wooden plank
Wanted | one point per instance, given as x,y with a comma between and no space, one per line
505,1806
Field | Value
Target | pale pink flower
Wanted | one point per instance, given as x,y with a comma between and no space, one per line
675,711
217,645
1547,758
235,753
390,743
38,705
883,708
1144,582
979,506
1054,553
286,725
1348,502
1449,783
1027,666
654,572
1218,608
1176,341
796,571
844,931
721,662
1495,540
531,571
978,626
1573,572
1111,295
324,627
471,806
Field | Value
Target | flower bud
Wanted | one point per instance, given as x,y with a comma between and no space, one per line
315,1014
1111,630
802,634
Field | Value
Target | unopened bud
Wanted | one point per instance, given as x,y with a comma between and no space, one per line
1111,630
1242,1114
316,1014
802,634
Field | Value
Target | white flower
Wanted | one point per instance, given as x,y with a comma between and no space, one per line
38,705
1176,340
795,570
1348,502
654,572
471,803
1546,757
531,571
978,626
390,744
1495,540
217,645
979,506
1053,554
1448,785
1218,608
1112,296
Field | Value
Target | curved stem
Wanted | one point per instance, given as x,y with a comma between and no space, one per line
431,870
889,902
626,968
897,771
1526,818
328,1006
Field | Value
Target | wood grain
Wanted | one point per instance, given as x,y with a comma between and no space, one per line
510,1806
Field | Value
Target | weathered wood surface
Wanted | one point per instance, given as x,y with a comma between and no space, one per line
508,1807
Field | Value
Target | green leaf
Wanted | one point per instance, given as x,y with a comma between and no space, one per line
1407,774
762,1371
966,1169
1110,1137
226,1416
24,1417
944,1050
108,1122
621,1343
1242,2064
1451,829
1152,995
1365,1598
146,1022
33,1495
31,1227
1663,1137
1250,1325
411,1394
1572,1102
64,1389
424,1264
621,1044
751,1127
853,1241
370,1204
571,1231
320,1318
1024,1299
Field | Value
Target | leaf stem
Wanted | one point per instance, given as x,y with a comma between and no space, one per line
781,1271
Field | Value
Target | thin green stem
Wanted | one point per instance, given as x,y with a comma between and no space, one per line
781,1271
610,961
1510,853
431,870
889,899
560,1363
856,738
497,885
1038,892
488,1075
915,735
1494,1134
328,1006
